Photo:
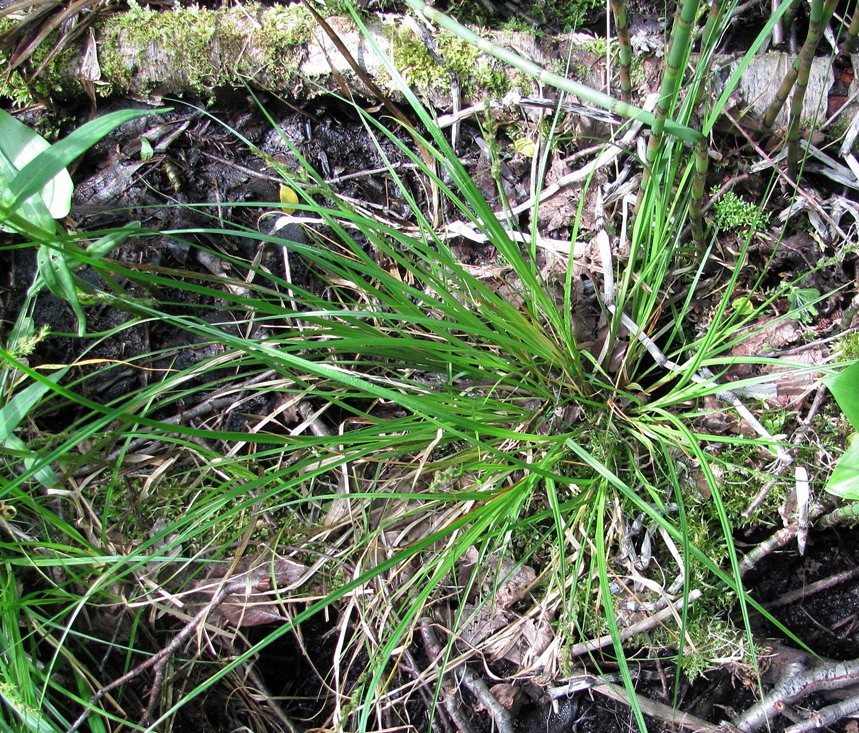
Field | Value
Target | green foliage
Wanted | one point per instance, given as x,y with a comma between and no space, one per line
847,347
465,418
733,212
802,303
35,190
844,480
19,146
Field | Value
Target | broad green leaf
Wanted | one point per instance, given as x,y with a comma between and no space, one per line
34,213
15,409
57,275
39,171
845,389
19,146
44,474
844,480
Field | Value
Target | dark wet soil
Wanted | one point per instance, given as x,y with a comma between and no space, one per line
826,621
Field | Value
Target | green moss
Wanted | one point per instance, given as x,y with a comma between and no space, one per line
566,14
202,49
847,347
476,72
21,90
732,212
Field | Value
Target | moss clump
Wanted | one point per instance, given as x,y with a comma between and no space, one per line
732,212
460,60
200,49
847,347
21,90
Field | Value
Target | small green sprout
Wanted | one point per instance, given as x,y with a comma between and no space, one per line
802,302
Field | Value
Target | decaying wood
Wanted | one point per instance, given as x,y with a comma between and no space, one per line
149,55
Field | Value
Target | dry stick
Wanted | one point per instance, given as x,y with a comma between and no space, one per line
819,719
820,585
795,686
637,628
649,707
611,151
479,689
451,699
161,657
775,541
770,163
473,682
798,437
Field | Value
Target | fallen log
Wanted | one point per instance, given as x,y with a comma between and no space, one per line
147,55
150,54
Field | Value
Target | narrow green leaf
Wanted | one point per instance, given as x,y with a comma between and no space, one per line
43,472
104,245
58,277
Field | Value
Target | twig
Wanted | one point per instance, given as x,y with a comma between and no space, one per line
772,163
451,699
796,685
649,707
781,467
611,152
159,659
774,542
808,590
637,628
819,719
478,688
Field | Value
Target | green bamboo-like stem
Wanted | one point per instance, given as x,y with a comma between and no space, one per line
699,180
709,38
675,60
708,45
790,15
821,12
621,28
847,514
600,99
851,42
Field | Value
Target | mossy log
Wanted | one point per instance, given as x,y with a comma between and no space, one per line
148,55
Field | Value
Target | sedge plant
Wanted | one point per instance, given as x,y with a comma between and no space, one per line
417,414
